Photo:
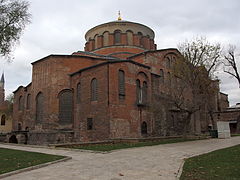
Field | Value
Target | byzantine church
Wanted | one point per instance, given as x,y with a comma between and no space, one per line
105,92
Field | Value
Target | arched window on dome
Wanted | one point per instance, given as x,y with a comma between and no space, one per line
106,38
96,41
140,36
129,37
117,37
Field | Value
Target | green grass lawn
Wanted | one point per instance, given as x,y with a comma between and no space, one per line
110,147
233,135
11,160
222,164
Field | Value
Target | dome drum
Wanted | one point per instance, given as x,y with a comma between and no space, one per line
120,33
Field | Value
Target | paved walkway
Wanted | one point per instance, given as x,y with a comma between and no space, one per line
160,162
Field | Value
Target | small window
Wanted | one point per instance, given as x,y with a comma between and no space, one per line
3,120
161,76
94,90
144,128
28,101
89,123
117,37
121,84
78,93
20,103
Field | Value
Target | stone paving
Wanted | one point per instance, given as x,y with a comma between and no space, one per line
160,162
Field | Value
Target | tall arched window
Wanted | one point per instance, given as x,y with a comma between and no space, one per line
3,120
117,37
20,103
78,92
65,107
39,107
121,84
138,92
28,101
94,90
144,92
161,76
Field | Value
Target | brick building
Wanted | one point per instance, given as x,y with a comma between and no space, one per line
104,92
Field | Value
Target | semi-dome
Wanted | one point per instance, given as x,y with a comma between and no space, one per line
118,37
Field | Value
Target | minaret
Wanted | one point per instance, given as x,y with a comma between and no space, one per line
2,90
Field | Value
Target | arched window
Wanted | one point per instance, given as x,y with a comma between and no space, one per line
94,90
121,84
144,92
117,37
168,62
140,35
39,107
78,92
138,92
106,38
130,37
65,107
20,103
161,76
144,128
96,41
3,120
28,101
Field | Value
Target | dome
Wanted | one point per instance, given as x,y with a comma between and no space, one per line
118,37
121,25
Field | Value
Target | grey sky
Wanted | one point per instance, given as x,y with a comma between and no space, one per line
58,27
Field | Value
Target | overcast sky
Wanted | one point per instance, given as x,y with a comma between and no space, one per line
59,26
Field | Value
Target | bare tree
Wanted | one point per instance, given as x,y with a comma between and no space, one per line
230,63
195,76
13,18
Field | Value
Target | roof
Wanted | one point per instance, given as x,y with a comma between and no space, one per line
118,22
110,62
83,54
152,51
